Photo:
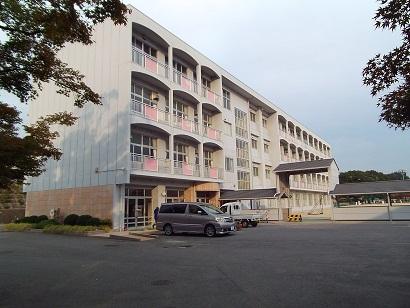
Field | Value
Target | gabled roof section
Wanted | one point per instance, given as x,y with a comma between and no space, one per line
310,166
367,188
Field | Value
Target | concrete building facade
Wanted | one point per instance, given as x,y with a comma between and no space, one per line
173,126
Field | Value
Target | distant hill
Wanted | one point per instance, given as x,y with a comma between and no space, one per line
356,176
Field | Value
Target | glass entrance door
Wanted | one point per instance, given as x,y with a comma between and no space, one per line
129,213
137,212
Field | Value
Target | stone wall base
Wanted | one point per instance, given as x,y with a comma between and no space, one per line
96,201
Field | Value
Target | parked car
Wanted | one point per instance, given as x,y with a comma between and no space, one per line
193,217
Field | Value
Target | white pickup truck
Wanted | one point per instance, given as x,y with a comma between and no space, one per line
241,214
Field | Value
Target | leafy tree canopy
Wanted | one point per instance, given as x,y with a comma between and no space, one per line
35,31
355,176
389,75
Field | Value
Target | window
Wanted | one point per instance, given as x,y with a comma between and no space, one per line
207,158
180,109
267,172
180,152
142,95
143,46
242,153
206,82
142,145
179,208
241,123
243,180
253,116
175,195
228,128
227,99
266,147
254,143
264,122
194,209
179,67
166,208
255,171
207,119
229,164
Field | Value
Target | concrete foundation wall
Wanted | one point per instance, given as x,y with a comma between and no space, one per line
361,213
96,201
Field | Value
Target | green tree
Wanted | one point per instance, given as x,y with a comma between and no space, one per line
389,75
355,176
35,31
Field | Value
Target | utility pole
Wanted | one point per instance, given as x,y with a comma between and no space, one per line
403,173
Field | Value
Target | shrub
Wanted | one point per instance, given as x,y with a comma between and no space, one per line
29,220
18,227
67,229
94,221
71,219
105,222
84,220
41,218
42,224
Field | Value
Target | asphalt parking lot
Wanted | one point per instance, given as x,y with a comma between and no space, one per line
275,265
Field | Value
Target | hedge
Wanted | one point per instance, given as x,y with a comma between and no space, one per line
18,227
67,229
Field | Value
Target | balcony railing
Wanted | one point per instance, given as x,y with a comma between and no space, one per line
149,62
188,169
185,82
211,96
155,114
150,112
211,133
213,172
185,124
150,164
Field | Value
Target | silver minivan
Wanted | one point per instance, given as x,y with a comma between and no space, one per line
193,217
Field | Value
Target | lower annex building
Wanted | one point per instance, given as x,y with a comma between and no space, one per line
174,126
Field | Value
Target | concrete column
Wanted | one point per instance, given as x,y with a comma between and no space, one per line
170,62
199,78
158,196
201,159
170,105
171,152
200,118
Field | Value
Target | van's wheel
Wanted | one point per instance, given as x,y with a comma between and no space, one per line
245,224
210,231
254,223
168,230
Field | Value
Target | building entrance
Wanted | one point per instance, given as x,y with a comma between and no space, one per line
137,208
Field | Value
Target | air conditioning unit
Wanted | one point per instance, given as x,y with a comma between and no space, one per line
54,213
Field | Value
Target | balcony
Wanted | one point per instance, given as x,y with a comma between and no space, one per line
185,124
150,164
188,169
213,172
211,133
211,96
155,114
150,63
185,82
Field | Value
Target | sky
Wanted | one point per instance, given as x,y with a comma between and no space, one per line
304,56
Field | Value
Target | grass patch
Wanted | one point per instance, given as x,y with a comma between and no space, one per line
18,227
66,229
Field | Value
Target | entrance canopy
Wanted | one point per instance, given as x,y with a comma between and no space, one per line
304,167
370,188
251,194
